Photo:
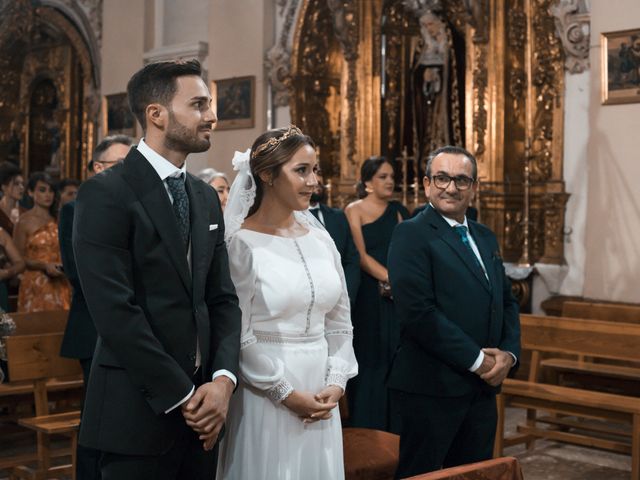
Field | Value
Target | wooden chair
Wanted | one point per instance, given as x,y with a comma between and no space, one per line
36,358
18,395
368,454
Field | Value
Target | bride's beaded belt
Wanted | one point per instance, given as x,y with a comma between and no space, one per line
277,337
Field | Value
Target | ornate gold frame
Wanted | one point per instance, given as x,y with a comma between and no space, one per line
496,90
607,98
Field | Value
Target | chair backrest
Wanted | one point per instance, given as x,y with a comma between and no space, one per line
610,312
53,321
37,357
595,338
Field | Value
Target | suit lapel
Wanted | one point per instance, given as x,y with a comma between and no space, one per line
154,199
485,252
451,238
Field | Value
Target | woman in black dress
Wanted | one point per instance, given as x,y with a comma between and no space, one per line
372,220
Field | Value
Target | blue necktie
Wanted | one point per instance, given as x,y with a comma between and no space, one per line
180,206
461,230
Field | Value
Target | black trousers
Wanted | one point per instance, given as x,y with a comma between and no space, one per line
441,432
185,460
87,459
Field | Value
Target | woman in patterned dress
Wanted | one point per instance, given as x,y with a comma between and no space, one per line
43,285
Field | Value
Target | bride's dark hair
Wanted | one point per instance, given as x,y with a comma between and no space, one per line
270,152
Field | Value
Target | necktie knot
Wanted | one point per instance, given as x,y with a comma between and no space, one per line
461,230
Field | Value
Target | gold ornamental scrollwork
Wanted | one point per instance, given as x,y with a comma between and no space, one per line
548,74
311,80
345,24
480,115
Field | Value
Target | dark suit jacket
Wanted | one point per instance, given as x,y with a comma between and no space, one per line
148,306
335,221
447,310
80,335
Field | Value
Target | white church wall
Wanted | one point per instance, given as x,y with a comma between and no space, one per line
239,34
612,270
123,41
228,36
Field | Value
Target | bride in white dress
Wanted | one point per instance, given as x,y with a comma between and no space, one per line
296,352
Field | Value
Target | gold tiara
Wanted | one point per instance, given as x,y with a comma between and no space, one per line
273,142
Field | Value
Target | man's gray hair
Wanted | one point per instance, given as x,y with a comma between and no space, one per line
208,174
105,144
455,151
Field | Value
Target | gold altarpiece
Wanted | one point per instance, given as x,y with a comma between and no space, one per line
49,80
338,69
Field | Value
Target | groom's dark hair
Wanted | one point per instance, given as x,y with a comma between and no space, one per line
156,83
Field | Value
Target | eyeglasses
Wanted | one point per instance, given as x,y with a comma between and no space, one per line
462,182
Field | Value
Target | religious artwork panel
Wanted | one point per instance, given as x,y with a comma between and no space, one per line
621,67
235,102
118,118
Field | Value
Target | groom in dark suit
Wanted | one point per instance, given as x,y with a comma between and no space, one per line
335,221
460,332
149,243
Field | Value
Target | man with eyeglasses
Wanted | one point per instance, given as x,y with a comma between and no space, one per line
80,335
460,332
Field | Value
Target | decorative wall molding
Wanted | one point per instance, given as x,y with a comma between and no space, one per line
573,27
178,51
277,60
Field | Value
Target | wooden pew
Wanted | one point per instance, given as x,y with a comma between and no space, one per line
609,312
36,358
569,407
53,321
602,374
506,468
20,392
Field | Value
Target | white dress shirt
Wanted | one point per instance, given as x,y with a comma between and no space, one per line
164,168
454,223
319,210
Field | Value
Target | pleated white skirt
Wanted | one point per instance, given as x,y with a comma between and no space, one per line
267,441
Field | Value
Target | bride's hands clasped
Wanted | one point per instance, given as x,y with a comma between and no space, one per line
310,407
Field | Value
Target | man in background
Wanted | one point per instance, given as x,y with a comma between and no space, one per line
335,221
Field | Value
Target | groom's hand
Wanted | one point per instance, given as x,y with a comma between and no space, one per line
206,410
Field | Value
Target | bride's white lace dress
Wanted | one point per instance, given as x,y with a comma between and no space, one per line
296,334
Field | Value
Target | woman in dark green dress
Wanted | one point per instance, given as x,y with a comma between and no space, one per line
372,220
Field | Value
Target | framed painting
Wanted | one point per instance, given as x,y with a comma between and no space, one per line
235,102
117,117
621,67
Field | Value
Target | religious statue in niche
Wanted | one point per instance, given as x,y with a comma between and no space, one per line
45,135
434,88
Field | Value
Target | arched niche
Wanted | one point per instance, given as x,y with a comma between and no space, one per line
49,53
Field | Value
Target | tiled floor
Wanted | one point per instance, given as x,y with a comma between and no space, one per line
558,461
547,461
